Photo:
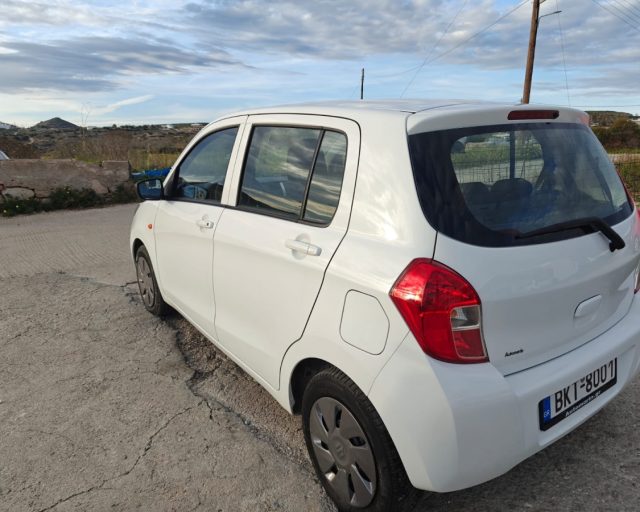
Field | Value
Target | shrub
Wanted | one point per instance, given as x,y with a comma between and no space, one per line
73,198
622,134
13,206
124,193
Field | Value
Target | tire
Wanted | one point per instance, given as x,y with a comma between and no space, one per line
351,450
147,284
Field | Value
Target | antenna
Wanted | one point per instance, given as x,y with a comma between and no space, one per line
362,85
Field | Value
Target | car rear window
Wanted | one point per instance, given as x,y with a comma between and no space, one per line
490,185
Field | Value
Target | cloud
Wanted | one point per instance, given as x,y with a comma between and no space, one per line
324,28
358,29
47,13
96,63
107,109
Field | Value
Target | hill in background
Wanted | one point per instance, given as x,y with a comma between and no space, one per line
56,124
145,146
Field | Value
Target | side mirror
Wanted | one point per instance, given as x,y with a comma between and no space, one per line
150,189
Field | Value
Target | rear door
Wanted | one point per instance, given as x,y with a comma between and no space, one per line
505,193
187,219
285,221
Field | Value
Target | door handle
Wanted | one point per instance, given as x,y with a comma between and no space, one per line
202,223
303,247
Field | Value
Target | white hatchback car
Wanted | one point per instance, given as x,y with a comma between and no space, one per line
441,289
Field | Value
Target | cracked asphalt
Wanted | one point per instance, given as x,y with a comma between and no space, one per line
105,407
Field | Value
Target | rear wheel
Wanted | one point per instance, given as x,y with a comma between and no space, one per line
350,448
147,284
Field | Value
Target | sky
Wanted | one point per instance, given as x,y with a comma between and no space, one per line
105,62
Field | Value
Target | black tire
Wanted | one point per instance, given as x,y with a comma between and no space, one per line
147,284
391,489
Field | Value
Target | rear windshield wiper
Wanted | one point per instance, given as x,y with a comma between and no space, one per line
591,223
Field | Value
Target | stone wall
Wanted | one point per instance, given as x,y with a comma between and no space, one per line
38,178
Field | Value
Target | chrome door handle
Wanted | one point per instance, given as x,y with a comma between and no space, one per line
303,247
202,223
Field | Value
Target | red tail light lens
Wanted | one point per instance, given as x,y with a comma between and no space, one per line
442,310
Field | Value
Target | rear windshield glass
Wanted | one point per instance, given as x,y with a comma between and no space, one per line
490,185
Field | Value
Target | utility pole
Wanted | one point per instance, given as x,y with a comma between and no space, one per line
533,34
361,85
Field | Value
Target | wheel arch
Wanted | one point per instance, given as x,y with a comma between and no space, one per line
137,243
300,377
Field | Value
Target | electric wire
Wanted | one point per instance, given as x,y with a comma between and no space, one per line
354,92
632,18
433,48
632,7
630,15
624,20
395,73
437,57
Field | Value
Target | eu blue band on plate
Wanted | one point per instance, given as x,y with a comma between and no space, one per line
546,409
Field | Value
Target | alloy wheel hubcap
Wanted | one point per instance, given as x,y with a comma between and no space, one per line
145,282
343,452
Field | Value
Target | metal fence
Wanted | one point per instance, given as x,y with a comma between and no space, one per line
628,166
489,165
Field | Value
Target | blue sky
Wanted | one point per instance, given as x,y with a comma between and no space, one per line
137,62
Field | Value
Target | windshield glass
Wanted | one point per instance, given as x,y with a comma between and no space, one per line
487,185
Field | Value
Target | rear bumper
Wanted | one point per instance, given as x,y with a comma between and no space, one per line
456,426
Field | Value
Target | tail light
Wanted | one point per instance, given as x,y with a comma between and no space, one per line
442,310
516,115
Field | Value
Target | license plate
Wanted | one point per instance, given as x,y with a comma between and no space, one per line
564,402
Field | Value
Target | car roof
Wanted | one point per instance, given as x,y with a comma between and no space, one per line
363,109
353,109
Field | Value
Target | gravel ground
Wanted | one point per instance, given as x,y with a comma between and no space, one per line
104,407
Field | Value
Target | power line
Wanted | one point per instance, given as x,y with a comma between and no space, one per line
395,73
433,48
630,16
437,57
616,15
630,13
631,6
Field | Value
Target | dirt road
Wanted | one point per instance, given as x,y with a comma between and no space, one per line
104,407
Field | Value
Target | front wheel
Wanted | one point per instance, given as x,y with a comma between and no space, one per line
350,448
147,284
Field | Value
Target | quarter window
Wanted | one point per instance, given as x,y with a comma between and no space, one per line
295,173
202,173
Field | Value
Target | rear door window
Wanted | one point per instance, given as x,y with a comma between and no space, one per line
294,173
490,185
